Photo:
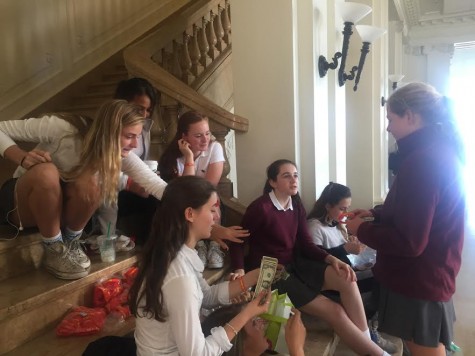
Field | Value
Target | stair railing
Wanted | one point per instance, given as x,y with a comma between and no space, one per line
176,58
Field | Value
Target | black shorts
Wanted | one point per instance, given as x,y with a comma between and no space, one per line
304,283
424,322
7,199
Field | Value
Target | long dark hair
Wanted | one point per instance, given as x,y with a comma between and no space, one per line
434,108
167,165
130,88
332,194
169,233
273,171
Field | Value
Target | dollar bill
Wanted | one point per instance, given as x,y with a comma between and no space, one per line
266,275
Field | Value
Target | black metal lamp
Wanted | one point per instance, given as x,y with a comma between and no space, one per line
395,79
368,34
351,13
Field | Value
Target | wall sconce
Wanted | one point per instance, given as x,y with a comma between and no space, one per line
395,79
351,13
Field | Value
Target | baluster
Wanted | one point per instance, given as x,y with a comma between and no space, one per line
195,52
228,6
211,36
168,122
166,59
203,44
185,60
218,30
175,65
225,186
226,24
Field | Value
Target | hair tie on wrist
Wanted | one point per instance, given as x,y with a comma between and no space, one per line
129,182
189,164
232,328
241,283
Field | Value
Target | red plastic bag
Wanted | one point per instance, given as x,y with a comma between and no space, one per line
106,290
122,312
82,321
129,275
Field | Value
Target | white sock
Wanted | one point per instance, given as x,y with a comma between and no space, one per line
52,240
367,334
71,234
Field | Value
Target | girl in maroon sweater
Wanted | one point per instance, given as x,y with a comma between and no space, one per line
278,228
418,232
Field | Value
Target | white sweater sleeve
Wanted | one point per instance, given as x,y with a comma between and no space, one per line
182,305
139,172
44,129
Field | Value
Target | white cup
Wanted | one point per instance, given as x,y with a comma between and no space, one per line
153,165
107,247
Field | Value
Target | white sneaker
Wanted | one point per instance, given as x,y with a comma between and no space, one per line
202,252
77,252
386,345
59,260
215,256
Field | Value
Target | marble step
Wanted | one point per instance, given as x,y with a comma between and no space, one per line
36,301
48,344
20,254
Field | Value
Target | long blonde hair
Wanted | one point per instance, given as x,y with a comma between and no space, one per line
101,151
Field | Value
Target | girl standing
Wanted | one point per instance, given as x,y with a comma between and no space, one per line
418,232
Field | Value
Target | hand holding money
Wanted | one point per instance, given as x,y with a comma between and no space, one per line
266,275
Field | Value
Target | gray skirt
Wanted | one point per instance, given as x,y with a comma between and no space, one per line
424,322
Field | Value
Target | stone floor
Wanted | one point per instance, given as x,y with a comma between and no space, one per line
343,350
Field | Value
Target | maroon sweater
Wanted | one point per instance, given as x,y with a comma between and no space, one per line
419,230
274,233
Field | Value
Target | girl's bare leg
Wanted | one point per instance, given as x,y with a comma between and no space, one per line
334,314
39,199
81,200
350,297
418,350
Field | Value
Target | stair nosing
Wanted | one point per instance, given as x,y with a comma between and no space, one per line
36,299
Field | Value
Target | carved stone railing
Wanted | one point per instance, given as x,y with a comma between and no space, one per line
176,58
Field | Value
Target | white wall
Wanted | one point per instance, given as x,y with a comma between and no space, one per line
264,88
48,44
366,124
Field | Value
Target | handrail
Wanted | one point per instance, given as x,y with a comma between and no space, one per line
139,62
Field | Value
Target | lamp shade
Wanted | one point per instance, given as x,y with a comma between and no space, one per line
369,33
395,78
352,11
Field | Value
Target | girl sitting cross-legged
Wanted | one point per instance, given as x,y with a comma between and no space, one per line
169,290
278,227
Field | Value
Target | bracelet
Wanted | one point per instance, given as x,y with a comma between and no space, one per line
232,328
241,283
22,160
189,164
129,182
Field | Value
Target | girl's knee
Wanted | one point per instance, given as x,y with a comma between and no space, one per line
44,176
85,190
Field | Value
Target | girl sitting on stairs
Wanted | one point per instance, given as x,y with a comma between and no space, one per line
278,227
74,168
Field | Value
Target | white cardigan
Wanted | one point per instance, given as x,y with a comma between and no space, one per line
58,137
